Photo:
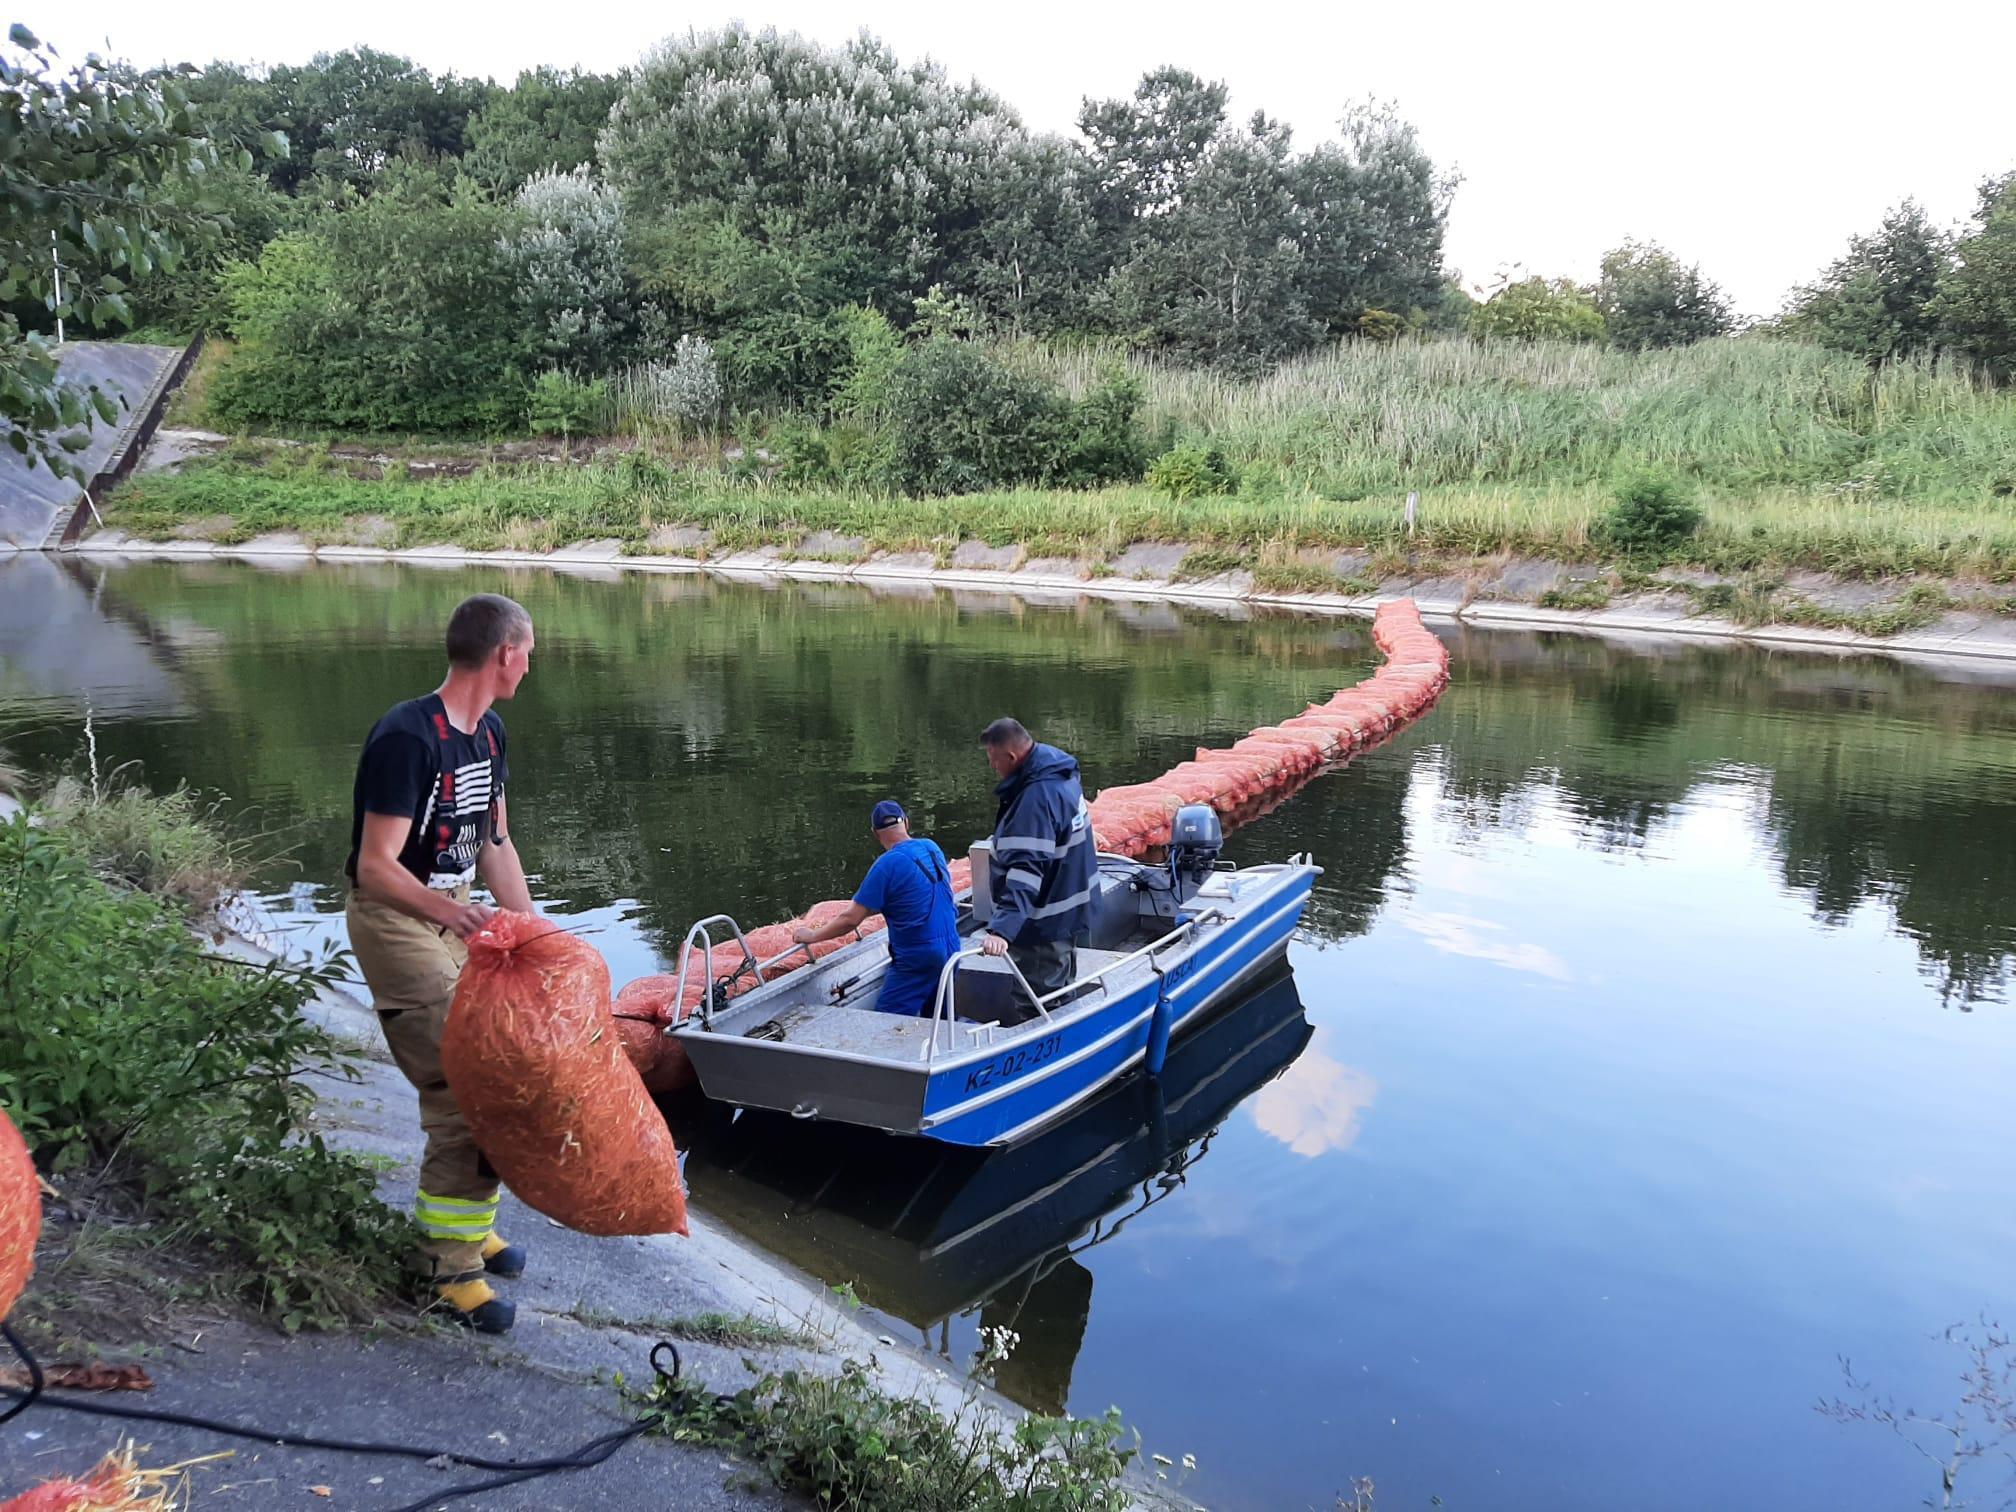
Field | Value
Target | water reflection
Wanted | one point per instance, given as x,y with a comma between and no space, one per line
1630,1104
927,1235
1317,1105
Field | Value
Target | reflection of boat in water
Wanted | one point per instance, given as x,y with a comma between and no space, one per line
925,1232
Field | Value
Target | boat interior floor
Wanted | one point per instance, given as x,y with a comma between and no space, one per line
984,993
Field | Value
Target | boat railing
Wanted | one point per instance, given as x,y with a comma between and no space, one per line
941,1013
941,1009
749,964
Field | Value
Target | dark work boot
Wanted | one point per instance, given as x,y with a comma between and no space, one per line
505,1261
470,1301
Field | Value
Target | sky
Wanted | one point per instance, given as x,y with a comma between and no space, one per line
1753,138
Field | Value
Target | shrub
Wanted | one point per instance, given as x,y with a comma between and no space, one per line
1191,471
1380,325
874,352
563,405
395,314
1538,309
173,1075
1653,512
960,422
838,456
1107,445
566,257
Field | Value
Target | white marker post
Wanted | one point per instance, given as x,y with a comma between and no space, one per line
57,263
1413,498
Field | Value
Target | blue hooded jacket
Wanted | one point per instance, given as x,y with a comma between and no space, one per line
1045,864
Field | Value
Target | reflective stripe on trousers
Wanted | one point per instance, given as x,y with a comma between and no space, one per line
455,1217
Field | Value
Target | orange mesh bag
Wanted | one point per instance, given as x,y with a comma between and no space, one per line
115,1484
643,1010
20,1213
532,1055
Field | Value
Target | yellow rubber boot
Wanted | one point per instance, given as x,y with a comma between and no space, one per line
471,1302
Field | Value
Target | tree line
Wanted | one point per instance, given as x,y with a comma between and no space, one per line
724,224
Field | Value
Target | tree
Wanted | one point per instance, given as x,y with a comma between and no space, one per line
1035,256
1217,278
92,161
1146,149
763,129
1538,309
1876,301
567,256
349,115
549,119
1976,304
1649,298
1372,213
1236,251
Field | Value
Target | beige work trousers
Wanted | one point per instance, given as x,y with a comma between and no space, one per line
411,969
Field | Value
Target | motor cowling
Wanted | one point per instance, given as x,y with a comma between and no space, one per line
1195,840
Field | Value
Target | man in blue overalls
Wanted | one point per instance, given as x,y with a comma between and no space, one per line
910,887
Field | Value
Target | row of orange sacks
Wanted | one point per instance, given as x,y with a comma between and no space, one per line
1126,821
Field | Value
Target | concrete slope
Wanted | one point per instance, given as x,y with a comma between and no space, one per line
36,505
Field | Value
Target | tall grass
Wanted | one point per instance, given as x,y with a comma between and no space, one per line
1743,413
1801,458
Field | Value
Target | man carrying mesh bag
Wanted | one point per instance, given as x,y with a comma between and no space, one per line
428,819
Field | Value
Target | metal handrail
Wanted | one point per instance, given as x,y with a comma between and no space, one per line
940,1010
750,964
940,1014
686,955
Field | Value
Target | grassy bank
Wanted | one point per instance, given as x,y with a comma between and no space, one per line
1801,459
158,1083
541,507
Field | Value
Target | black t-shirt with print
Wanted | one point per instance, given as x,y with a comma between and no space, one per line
418,766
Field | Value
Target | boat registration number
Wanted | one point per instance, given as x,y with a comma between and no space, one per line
1014,1063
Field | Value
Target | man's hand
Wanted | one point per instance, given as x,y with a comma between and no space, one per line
804,934
465,919
992,944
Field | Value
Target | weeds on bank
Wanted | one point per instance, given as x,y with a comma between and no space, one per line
158,1083
175,844
1580,594
846,1442
723,1330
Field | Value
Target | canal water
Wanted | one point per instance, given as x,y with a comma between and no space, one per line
1646,1050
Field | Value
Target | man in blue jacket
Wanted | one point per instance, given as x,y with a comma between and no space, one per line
1045,867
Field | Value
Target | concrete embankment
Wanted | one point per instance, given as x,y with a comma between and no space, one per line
1495,594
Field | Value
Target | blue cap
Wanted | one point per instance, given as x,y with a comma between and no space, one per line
888,812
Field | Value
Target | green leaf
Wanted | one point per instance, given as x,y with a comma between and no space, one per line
21,37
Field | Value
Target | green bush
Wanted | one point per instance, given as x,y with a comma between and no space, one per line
829,456
395,314
1381,325
960,422
563,405
171,1075
1107,445
1191,471
1538,309
1653,512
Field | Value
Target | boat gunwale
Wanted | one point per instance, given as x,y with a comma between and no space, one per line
693,1030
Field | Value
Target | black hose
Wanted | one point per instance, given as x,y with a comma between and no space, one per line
513,1472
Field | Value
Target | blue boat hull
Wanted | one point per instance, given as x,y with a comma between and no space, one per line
1030,1085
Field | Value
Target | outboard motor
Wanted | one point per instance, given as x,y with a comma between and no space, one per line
1195,839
